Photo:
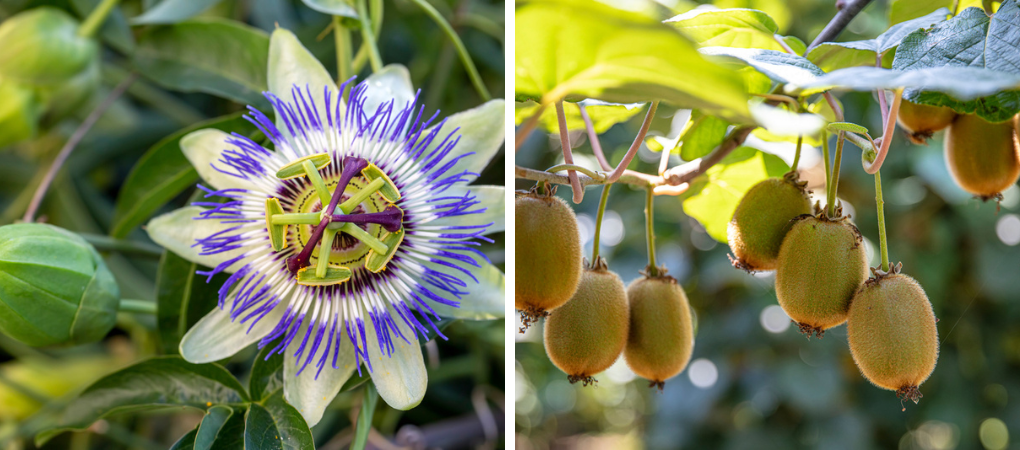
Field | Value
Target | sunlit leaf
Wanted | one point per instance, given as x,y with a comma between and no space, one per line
739,28
830,56
705,134
781,67
603,115
616,56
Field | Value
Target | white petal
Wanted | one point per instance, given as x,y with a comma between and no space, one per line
216,336
481,131
393,82
205,147
492,198
177,231
291,64
485,299
400,378
306,393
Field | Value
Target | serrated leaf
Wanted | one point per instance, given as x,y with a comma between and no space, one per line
705,134
830,56
713,197
781,67
603,114
979,82
151,384
161,174
617,56
215,56
182,297
835,127
172,11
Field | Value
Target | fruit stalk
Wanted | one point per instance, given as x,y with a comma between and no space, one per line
890,127
568,158
96,18
598,223
834,185
650,233
796,156
880,204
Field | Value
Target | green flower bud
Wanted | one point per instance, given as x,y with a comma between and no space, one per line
42,46
19,112
54,287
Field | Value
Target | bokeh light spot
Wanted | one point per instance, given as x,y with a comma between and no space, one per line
773,319
703,373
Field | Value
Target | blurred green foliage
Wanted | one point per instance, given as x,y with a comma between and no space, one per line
34,383
752,388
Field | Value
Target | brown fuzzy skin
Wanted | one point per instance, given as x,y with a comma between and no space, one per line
822,263
921,121
548,249
762,219
587,334
983,157
892,333
661,337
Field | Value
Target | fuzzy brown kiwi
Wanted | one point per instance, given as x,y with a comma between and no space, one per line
921,121
661,336
548,255
983,157
821,265
587,334
761,220
892,334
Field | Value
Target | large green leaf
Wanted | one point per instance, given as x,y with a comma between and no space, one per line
781,67
616,56
713,197
215,56
161,174
603,115
705,134
183,297
155,383
222,428
737,27
266,374
173,11
979,82
971,39
830,56
275,425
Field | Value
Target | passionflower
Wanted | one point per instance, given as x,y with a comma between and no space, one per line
350,238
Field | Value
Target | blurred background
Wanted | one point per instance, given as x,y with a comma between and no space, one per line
464,403
754,382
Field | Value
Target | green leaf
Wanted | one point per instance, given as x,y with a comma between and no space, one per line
782,122
186,442
776,9
276,426
616,56
215,56
713,197
738,28
344,8
155,383
222,428
705,134
903,10
979,82
781,67
183,298
173,11
836,127
603,115
266,374
837,55
973,40
161,174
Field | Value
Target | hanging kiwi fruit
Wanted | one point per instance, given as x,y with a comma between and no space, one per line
922,121
983,157
661,337
762,219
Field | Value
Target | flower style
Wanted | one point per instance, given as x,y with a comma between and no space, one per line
354,236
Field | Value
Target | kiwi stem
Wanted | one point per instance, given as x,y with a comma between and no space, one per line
887,133
796,156
593,137
831,198
568,157
880,204
826,162
634,147
598,223
650,233
527,127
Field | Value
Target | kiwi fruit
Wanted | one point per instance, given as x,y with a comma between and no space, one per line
982,156
892,334
661,336
548,249
821,265
762,219
587,334
921,121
